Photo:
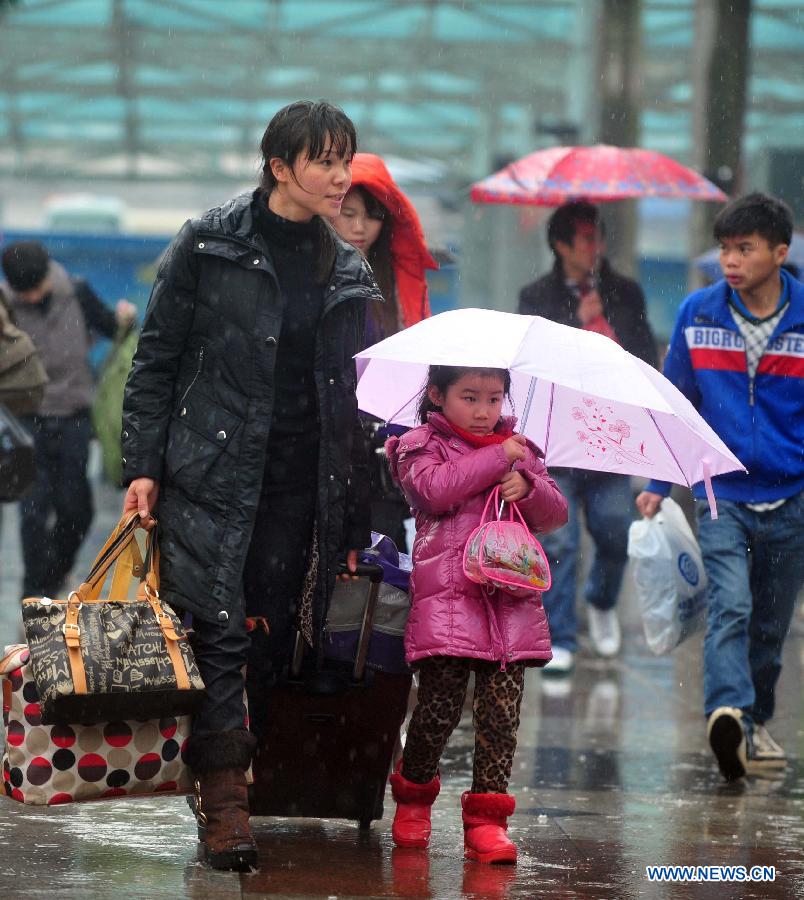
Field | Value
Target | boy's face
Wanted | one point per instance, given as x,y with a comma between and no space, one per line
748,260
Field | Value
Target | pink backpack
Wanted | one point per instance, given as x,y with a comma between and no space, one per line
503,554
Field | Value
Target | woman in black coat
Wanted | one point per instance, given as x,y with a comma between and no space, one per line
240,431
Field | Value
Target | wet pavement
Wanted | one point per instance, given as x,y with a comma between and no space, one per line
612,774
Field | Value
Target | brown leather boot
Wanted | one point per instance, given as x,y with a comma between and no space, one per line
219,762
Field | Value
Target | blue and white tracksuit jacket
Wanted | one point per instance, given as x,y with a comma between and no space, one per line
760,420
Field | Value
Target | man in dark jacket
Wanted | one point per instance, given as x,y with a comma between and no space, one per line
60,314
583,290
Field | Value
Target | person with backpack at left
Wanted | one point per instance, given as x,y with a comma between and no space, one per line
61,314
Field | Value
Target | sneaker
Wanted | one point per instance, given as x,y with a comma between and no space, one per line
604,630
765,752
727,738
601,706
562,662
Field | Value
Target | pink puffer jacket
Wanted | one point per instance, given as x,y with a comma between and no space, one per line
446,482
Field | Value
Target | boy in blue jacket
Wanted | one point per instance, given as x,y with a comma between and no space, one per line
737,353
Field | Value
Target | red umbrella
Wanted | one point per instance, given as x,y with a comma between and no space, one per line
600,173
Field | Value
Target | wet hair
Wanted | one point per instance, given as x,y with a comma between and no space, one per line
381,262
25,265
565,220
443,377
768,216
307,127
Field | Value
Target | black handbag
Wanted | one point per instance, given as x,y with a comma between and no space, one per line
17,458
101,660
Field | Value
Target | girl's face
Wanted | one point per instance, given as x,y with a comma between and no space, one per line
311,187
355,225
473,402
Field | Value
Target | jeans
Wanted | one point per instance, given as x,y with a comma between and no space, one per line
755,565
608,506
56,513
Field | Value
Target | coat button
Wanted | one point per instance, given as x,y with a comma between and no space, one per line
270,340
125,435
221,435
201,246
331,381
124,460
256,262
183,411
332,287
332,478
223,616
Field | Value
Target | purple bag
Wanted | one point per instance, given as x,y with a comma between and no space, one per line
386,651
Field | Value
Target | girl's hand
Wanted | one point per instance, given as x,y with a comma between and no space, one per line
514,447
513,487
141,497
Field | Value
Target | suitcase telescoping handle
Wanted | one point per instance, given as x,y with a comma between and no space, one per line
375,573
363,570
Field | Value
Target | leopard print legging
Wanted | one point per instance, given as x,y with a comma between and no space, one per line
442,688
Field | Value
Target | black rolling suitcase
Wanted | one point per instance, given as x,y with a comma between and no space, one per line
331,734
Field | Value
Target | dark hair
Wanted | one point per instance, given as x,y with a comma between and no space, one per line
565,220
305,127
442,377
768,216
381,262
25,265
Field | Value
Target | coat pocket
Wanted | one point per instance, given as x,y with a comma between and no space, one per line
202,439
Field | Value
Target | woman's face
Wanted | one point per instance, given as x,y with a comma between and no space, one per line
311,187
355,225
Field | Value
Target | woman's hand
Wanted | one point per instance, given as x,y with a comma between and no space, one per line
514,447
141,497
513,487
351,565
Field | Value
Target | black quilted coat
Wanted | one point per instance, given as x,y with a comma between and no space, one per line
198,406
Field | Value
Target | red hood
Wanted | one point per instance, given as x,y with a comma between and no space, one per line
408,248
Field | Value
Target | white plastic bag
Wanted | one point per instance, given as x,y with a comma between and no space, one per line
669,575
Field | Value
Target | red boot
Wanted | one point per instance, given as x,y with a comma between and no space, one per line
485,827
411,826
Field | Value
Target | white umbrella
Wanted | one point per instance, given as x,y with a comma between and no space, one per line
579,396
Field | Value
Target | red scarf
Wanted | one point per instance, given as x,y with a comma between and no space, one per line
481,440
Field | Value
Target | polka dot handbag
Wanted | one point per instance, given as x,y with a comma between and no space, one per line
52,764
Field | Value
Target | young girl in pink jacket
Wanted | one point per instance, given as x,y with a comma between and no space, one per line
446,468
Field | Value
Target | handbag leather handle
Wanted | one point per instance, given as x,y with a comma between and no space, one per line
121,534
121,547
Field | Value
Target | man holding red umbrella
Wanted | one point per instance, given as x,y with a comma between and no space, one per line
584,291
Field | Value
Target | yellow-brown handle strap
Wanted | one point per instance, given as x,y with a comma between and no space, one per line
121,535
123,546
171,640
129,565
72,637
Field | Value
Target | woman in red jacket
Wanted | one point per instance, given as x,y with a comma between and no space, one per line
378,219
